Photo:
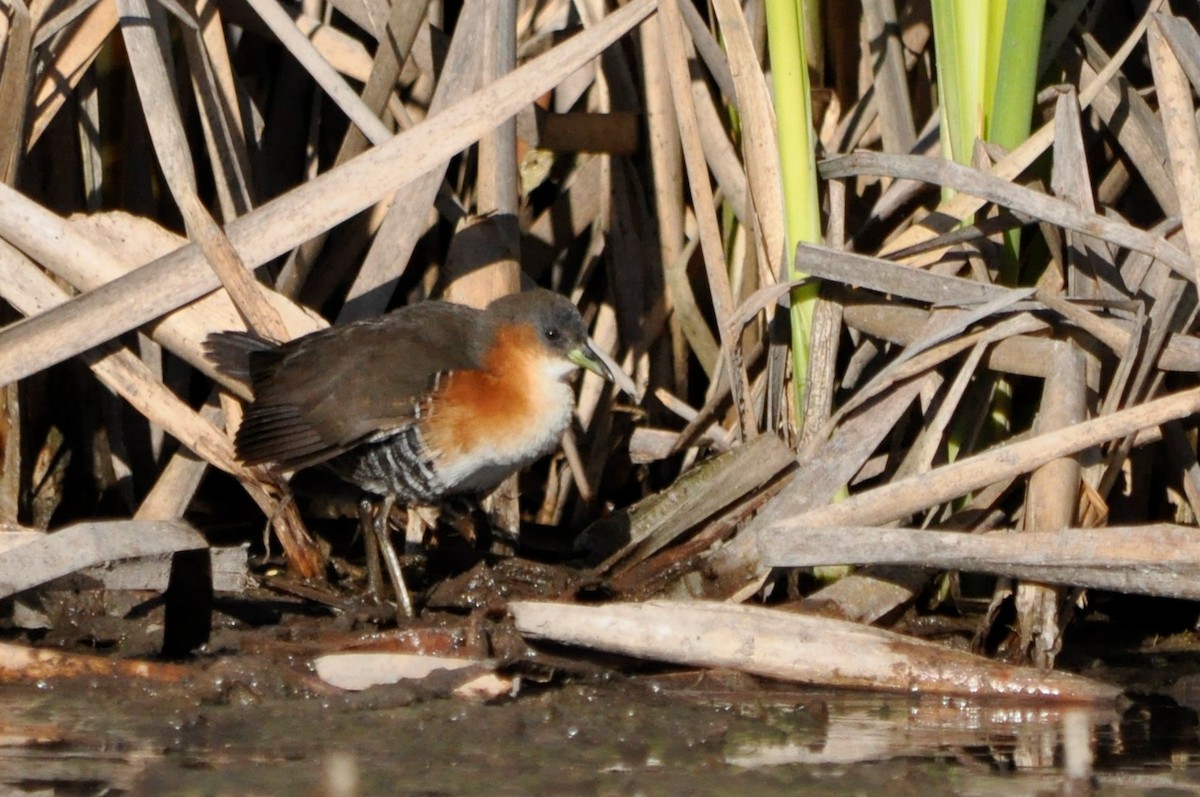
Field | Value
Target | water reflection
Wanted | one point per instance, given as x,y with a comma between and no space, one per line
1150,744
863,728
597,739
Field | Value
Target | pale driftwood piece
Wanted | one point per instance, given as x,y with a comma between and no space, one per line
1023,156
12,536
279,225
673,43
358,671
822,469
86,544
794,647
1179,124
1051,502
1015,197
652,523
1162,560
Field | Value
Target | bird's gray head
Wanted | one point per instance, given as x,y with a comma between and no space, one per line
557,324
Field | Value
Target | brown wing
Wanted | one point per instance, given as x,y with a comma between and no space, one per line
323,394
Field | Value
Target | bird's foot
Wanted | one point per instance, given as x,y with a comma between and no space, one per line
377,535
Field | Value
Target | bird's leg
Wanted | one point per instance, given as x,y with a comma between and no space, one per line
366,524
390,559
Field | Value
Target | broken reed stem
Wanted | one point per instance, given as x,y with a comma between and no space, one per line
900,499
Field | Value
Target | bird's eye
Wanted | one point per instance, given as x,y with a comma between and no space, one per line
551,333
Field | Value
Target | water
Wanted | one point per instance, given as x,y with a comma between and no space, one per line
661,736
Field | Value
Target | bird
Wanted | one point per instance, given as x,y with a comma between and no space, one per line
429,402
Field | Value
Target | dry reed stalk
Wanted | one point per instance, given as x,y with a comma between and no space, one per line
1179,124
1146,560
1051,500
1023,156
141,30
620,231
279,225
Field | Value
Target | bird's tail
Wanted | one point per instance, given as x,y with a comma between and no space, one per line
230,352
